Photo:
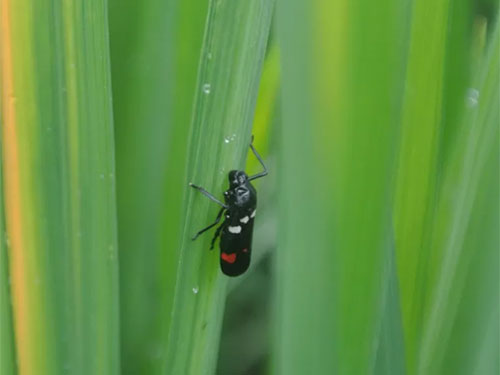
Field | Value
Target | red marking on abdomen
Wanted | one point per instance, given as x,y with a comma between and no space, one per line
230,258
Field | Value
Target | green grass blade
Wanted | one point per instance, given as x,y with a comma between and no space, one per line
231,60
59,185
390,358
342,80
7,352
465,216
155,48
434,87
470,332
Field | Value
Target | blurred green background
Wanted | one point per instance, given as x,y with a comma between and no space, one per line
376,243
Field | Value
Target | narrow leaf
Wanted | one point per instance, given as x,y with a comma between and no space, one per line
58,164
230,65
342,76
155,48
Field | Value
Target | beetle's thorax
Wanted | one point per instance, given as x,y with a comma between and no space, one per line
240,193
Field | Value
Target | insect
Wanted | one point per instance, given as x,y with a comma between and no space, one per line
238,209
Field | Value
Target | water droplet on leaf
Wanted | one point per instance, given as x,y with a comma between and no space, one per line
472,97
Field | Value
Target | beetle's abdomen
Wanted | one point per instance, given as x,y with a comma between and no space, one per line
236,242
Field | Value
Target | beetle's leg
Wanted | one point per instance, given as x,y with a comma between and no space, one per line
263,173
217,234
207,194
219,215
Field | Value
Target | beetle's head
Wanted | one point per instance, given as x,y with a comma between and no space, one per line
237,178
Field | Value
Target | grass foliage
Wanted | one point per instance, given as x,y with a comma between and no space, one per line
59,193
376,244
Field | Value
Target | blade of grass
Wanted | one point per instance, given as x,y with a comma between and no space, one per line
59,185
155,49
434,81
342,78
390,358
476,148
7,353
486,361
473,338
230,64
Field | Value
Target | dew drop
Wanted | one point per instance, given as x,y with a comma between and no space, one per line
206,88
196,290
230,138
472,97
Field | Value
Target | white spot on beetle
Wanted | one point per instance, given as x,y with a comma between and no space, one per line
236,229
253,214
245,219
